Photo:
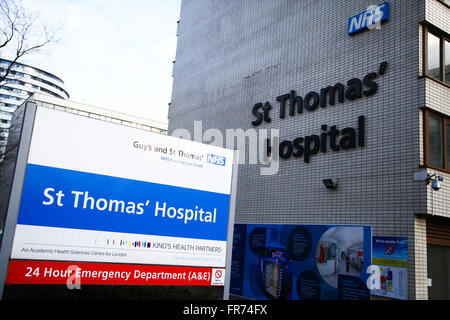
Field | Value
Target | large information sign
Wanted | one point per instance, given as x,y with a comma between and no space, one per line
110,204
301,262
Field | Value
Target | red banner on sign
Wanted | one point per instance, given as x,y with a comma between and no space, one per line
50,272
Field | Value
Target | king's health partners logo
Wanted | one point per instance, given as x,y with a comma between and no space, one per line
214,159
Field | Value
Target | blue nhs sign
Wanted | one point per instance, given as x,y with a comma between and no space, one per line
214,159
370,17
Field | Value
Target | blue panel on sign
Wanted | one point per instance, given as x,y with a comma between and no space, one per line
369,17
54,197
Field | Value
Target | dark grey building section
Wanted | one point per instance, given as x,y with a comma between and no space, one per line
234,54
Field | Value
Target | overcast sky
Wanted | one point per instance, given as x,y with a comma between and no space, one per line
112,53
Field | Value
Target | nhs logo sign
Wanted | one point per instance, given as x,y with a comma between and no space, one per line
218,160
371,18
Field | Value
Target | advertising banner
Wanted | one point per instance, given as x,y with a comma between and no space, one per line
301,262
99,192
391,255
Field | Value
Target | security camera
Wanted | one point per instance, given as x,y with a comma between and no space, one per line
436,185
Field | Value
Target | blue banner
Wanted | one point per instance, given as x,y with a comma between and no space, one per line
54,197
301,262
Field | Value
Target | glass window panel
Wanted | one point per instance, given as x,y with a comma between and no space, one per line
447,61
448,142
436,147
433,55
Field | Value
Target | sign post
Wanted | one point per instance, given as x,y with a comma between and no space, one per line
16,188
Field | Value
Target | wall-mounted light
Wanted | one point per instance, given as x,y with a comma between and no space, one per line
329,184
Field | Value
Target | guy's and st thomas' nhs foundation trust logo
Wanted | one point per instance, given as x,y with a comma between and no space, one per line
214,159
371,18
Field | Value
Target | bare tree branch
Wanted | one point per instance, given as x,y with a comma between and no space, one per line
20,34
9,16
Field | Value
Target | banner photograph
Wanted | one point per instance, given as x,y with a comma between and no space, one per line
301,262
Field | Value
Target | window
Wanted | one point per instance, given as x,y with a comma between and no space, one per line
447,61
433,66
437,140
435,144
447,132
436,54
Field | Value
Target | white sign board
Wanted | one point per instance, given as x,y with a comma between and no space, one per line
96,191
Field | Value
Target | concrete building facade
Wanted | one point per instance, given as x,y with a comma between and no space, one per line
22,81
241,63
99,113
